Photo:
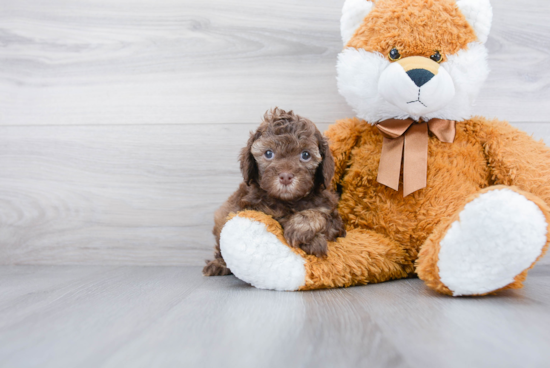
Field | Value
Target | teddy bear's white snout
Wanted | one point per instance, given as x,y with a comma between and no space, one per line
415,89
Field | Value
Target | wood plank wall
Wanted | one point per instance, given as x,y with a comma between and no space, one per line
121,121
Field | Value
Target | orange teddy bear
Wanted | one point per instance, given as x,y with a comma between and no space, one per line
426,189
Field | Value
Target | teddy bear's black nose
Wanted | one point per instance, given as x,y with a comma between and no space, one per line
420,76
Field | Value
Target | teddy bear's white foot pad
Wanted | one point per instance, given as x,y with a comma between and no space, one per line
499,235
258,257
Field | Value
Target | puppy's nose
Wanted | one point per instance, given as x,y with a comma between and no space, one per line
286,178
420,76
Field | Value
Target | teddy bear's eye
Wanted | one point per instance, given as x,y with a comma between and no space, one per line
305,156
394,54
269,154
436,57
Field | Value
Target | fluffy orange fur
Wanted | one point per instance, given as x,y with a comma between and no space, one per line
459,170
394,23
485,154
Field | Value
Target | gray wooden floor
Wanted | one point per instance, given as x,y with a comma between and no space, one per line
135,316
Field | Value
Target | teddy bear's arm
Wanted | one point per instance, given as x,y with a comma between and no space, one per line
516,159
343,136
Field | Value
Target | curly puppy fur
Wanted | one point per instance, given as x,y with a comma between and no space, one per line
287,168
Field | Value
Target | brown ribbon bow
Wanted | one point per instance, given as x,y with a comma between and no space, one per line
407,140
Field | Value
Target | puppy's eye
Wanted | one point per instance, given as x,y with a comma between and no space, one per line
305,156
269,154
436,57
394,55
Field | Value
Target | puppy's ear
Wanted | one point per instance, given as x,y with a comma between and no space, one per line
249,167
325,170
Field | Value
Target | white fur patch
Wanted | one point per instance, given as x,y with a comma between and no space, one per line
416,101
468,69
353,14
479,14
256,256
499,235
359,76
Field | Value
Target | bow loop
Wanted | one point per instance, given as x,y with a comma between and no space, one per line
394,128
407,141
444,130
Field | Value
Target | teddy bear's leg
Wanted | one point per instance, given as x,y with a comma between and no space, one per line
488,246
255,250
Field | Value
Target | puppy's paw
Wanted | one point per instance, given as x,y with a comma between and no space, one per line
308,240
302,227
297,235
317,246
216,267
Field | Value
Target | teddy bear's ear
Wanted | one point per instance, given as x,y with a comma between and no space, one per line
353,14
479,14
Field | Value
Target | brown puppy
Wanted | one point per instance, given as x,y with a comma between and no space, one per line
287,169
